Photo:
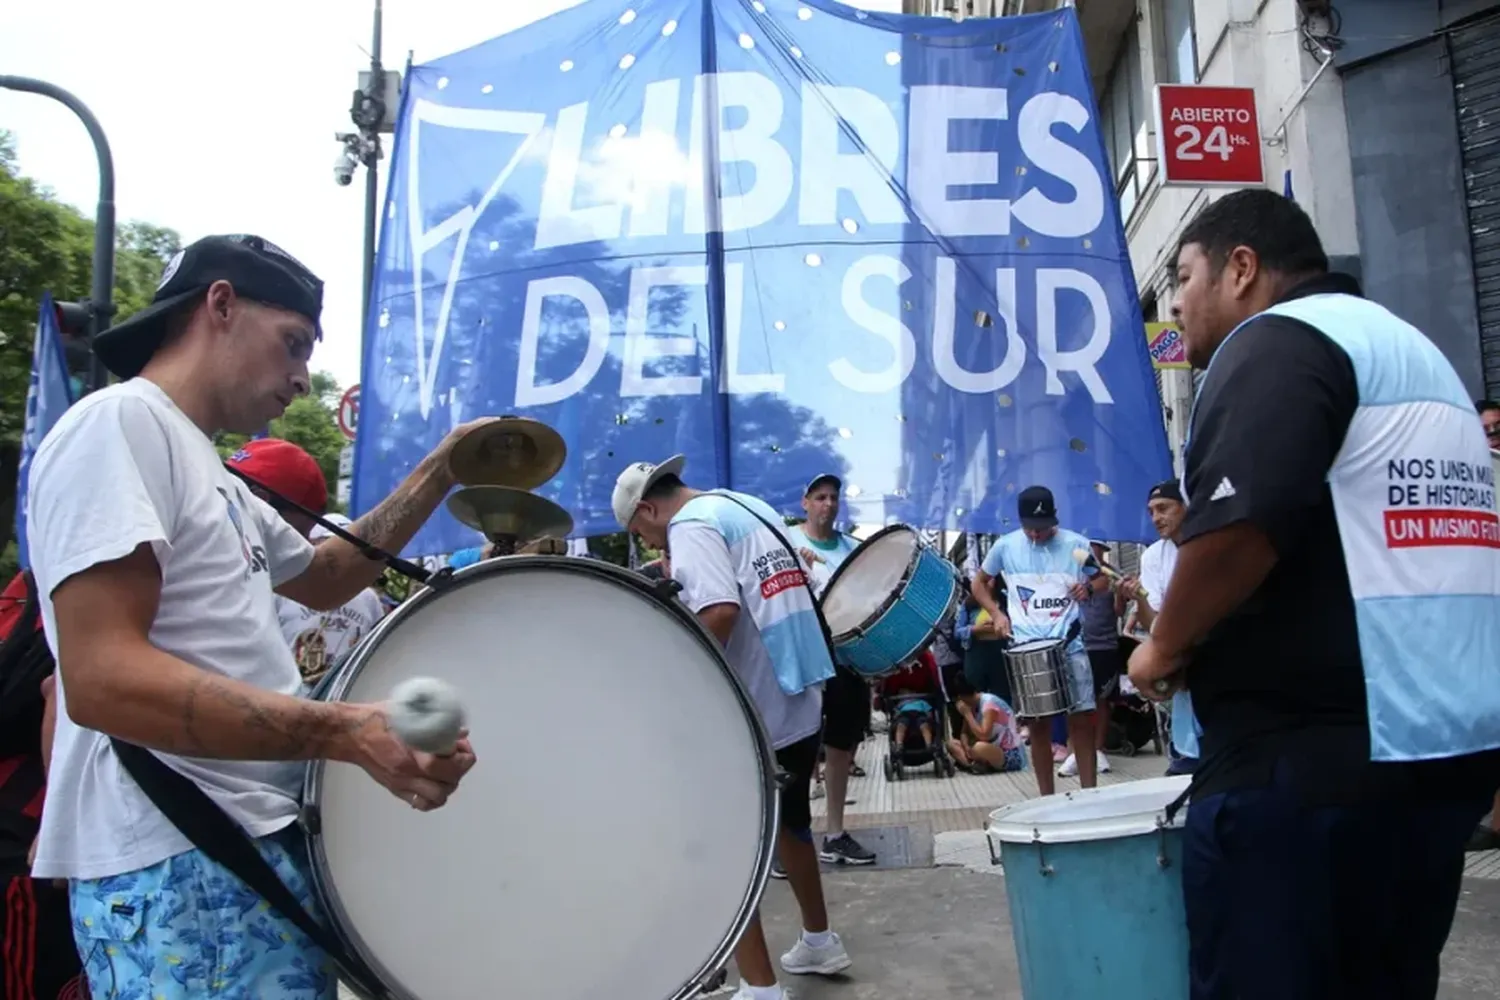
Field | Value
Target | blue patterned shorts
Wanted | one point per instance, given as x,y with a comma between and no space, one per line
188,928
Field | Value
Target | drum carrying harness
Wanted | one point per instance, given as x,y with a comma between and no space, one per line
222,840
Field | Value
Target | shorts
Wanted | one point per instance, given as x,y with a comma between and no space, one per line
846,710
1107,666
188,928
799,760
914,712
1081,679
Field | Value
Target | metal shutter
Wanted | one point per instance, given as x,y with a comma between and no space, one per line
1474,53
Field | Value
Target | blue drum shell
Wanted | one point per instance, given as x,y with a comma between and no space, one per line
1099,918
907,625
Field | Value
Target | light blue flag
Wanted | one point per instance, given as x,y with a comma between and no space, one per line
48,396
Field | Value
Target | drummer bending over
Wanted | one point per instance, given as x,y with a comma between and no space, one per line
155,567
1044,587
750,591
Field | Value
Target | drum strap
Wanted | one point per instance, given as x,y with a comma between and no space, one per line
786,544
222,840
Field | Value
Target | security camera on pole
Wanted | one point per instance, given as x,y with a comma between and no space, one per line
373,112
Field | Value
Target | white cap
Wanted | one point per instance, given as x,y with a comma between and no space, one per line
319,532
636,480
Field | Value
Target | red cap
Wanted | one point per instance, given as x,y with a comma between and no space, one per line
285,468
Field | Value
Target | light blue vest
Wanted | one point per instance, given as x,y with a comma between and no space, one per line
1414,496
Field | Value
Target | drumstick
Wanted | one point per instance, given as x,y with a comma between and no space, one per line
427,714
1086,561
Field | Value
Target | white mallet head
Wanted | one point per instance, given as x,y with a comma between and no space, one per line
427,714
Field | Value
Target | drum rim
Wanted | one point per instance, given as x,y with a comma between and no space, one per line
890,599
340,680
1010,825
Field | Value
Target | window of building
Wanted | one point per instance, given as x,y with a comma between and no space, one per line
1127,135
1179,41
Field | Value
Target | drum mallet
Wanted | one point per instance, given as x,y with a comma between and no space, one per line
427,714
1092,567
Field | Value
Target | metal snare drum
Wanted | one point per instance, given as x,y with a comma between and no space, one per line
1040,682
887,600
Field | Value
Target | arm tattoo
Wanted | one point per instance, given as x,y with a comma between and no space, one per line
303,731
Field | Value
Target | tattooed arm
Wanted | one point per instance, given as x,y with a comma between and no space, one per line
118,683
339,571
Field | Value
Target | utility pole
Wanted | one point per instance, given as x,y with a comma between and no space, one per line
373,113
101,304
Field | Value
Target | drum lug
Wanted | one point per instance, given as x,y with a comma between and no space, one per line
990,843
667,590
782,779
311,820
1041,854
440,580
1162,861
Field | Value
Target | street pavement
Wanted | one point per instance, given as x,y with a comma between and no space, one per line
932,920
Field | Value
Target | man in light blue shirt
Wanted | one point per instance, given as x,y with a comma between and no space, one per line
1044,587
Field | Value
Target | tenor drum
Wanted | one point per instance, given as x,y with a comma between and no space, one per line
1040,682
887,600
621,854
1094,882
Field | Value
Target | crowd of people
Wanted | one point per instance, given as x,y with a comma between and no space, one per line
1330,674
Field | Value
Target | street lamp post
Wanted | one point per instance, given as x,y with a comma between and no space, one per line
101,295
373,113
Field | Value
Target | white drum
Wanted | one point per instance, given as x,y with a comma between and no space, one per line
616,834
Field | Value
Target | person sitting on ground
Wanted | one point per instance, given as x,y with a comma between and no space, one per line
990,740
916,677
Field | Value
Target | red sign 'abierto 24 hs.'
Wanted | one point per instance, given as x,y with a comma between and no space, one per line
1208,136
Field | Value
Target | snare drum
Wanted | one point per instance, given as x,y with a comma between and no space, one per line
623,858
887,600
1040,682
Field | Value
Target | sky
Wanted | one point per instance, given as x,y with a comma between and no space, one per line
224,123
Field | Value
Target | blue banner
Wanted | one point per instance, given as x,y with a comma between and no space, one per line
48,396
913,274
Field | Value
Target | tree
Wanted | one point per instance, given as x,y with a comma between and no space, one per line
47,246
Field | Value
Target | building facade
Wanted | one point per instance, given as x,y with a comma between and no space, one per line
1381,117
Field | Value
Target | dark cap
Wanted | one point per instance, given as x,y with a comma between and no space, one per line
826,477
259,271
1168,490
1037,508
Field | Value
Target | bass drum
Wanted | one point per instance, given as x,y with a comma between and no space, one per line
616,834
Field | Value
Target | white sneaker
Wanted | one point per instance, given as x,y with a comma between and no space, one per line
818,791
744,993
1069,768
804,960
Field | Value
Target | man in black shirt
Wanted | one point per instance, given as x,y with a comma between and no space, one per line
1324,853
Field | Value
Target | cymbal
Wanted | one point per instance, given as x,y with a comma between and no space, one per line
512,513
513,451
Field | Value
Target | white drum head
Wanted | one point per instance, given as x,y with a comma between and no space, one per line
616,830
1126,810
872,573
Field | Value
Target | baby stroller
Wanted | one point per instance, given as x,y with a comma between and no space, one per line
917,686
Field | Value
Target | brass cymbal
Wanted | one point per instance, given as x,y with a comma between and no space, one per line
517,452
511,513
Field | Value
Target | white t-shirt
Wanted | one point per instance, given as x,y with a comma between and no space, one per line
702,563
122,468
321,640
1157,564
830,555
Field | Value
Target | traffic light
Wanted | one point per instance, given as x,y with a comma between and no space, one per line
73,318
73,322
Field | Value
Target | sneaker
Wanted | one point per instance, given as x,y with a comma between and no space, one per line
743,993
1182,765
777,871
845,850
805,960
818,791
1483,838
1069,768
